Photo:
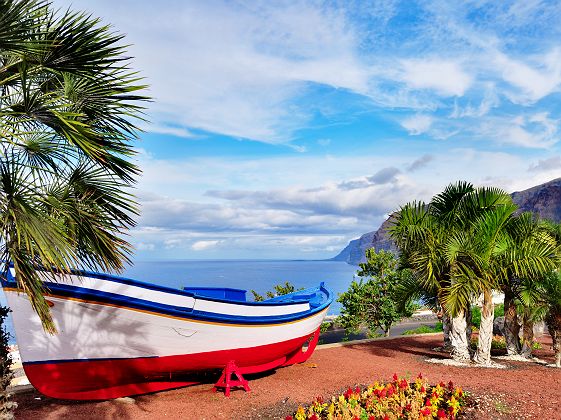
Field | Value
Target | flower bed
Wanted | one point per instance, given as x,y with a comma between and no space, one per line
399,399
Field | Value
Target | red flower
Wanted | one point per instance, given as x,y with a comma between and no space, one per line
425,411
386,417
348,393
420,376
442,385
451,386
395,377
357,390
408,407
423,390
314,417
441,414
383,393
288,418
428,403
319,399
371,418
403,384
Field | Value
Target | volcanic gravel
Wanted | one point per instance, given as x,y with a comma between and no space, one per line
523,390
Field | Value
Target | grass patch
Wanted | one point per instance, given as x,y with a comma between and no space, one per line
425,329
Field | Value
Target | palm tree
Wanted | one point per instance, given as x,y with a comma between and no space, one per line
67,107
421,233
525,229
491,250
544,296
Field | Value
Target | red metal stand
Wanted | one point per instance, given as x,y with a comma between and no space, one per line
227,382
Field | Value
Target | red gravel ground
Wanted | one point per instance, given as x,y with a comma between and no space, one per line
524,390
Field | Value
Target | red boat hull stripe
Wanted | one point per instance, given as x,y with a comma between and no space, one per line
113,378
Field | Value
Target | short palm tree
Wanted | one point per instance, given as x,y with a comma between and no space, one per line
67,107
544,296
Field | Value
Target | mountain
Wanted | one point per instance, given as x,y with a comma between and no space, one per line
543,200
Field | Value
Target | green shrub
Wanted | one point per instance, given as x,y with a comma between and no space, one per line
278,290
402,399
425,329
499,343
476,314
371,300
326,325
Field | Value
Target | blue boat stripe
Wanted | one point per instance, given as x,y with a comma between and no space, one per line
149,286
95,296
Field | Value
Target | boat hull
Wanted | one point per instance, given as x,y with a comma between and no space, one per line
113,378
108,347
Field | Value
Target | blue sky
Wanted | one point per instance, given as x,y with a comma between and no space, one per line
285,129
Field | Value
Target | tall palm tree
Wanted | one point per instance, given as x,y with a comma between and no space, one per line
490,251
68,103
421,232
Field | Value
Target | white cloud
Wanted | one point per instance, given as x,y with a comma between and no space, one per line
235,69
204,245
447,78
529,131
552,164
143,246
533,82
417,124
167,129
489,101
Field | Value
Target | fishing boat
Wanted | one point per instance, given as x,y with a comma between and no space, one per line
118,337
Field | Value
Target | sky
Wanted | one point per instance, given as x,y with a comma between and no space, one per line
284,129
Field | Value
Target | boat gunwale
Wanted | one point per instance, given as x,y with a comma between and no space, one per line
92,296
10,282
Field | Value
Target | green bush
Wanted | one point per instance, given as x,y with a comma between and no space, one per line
476,314
399,399
370,301
278,290
425,329
499,343
325,326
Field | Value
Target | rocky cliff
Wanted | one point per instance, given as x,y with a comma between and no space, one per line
544,200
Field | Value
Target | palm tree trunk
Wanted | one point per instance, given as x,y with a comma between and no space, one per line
511,326
483,354
527,335
458,338
446,329
553,322
468,325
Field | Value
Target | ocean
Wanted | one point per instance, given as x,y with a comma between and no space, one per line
259,275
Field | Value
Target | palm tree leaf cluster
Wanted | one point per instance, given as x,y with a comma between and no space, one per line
68,105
